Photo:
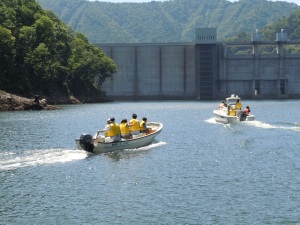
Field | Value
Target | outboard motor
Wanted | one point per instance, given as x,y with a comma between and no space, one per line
243,116
86,142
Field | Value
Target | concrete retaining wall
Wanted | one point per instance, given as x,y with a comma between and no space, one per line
151,72
168,71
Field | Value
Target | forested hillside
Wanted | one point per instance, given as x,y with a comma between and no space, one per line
39,54
167,21
290,25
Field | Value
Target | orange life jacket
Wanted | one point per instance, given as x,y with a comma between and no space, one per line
247,112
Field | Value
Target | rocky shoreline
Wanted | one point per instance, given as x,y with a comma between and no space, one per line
10,102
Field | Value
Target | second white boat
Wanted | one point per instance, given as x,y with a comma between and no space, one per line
222,114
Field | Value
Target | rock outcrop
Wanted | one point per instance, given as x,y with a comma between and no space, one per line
10,102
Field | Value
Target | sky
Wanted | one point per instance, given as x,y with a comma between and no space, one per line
294,1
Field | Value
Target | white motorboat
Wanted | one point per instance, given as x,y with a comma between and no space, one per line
98,145
222,114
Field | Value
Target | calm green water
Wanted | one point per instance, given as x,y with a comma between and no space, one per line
196,172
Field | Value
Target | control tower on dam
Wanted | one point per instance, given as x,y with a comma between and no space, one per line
204,70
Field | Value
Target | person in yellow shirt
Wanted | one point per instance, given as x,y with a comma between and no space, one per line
143,126
112,131
125,129
135,125
238,105
231,111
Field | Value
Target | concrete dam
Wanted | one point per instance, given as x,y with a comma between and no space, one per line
204,70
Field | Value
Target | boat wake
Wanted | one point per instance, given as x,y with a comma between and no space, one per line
286,126
212,120
148,147
10,160
261,124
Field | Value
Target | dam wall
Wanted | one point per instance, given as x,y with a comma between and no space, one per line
203,70
258,76
151,71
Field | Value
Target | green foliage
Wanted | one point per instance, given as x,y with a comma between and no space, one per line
87,62
165,21
7,51
290,25
40,54
6,44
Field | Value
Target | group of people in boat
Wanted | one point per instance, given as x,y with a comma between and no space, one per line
114,132
233,109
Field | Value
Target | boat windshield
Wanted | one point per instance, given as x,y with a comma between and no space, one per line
232,101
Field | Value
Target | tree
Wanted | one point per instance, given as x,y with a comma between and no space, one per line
87,63
7,51
40,54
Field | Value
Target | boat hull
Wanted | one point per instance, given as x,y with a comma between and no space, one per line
222,117
137,142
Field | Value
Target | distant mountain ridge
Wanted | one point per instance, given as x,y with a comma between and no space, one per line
167,21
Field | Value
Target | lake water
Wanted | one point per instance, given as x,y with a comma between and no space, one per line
197,171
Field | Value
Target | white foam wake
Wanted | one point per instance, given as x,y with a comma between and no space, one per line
148,147
39,157
260,124
211,120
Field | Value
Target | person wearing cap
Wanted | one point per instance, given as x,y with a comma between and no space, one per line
135,125
114,133
105,129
